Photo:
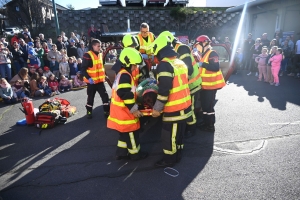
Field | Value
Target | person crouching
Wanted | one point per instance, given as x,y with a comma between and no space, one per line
124,113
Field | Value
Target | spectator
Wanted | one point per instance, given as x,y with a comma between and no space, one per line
53,84
40,71
219,40
64,84
46,51
60,44
49,43
5,44
255,51
18,59
24,77
227,42
64,68
15,38
91,29
53,53
31,71
5,62
98,34
34,90
214,41
77,35
63,53
278,40
81,50
72,49
261,60
6,92
24,49
27,38
276,62
43,85
47,72
74,38
54,66
287,52
33,60
84,39
18,90
73,67
248,43
265,41
25,30
40,53
42,38
64,38
79,62
278,33
296,61
270,77
290,42
272,44
78,80
239,60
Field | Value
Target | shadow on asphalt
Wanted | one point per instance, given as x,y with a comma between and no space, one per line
287,92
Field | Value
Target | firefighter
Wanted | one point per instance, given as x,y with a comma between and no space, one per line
173,99
94,75
124,113
145,39
185,54
128,41
212,80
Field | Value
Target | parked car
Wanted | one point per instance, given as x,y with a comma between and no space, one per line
108,2
11,31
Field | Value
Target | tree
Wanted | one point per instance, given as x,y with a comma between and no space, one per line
70,7
27,13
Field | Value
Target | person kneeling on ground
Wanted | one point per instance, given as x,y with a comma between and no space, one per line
6,92
124,113
64,84
78,80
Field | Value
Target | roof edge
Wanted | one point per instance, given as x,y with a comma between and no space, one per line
250,4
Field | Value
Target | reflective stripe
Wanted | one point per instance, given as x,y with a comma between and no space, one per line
205,113
129,101
168,74
210,75
212,83
134,149
133,121
122,144
184,56
179,101
97,71
177,118
193,113
173,141
179,88
124,85
162,98
120,104
145,47
195,89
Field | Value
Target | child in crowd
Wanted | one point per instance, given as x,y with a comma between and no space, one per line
73,67
34,90
54,66
276,62
262,64
6,92
64,68
79,62
78,80
64,84
270,77
19,90
53,84
47,72
40,71
33,60
43,84
238,59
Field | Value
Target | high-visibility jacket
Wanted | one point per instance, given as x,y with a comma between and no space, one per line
97,72
210,80
179,97
145,47
120,117
136,75
194,79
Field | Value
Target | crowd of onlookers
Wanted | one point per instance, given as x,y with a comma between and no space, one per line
269,60
36,66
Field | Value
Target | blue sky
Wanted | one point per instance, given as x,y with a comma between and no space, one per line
79,4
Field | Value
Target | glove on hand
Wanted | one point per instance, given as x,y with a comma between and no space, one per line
200,64
91,81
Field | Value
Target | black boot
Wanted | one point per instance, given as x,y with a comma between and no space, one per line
140,156
89,114
207,128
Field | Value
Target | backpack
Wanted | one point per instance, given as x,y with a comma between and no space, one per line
45,120
50,105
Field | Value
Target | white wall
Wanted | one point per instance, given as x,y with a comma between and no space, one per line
215,3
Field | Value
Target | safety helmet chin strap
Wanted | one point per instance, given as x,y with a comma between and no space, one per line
203,47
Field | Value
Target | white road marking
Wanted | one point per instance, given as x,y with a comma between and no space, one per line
285,123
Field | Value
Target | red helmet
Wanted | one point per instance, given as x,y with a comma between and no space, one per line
203,38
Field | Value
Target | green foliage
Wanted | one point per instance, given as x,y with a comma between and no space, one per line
70,7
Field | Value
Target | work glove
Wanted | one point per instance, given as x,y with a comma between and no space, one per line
155,113
200,64
91,81
137,114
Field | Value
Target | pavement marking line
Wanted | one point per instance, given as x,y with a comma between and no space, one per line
2,158
5,111
122,166
130,174
5,146
171,169
256,149
9,178
285,123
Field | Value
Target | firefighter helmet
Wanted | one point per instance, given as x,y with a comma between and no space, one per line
129,41
169,35
159,43
202,39
130,56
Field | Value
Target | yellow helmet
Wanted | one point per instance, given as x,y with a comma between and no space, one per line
130,56
129,41
159,43
168,34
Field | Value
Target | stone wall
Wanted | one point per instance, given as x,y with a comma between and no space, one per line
159,20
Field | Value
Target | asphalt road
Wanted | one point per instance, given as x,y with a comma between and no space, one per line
253,154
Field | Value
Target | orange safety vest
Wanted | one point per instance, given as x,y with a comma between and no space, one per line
120,118
210,80
145,47
97,72
179,98
136,75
